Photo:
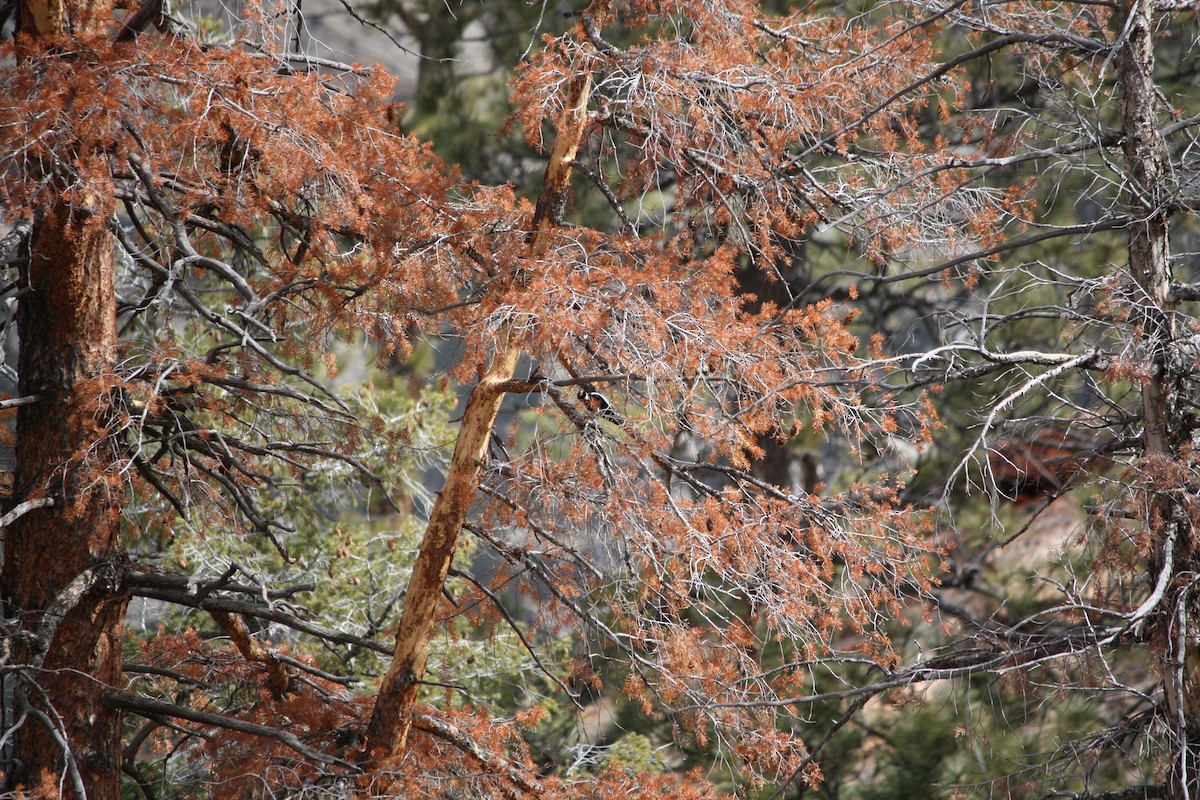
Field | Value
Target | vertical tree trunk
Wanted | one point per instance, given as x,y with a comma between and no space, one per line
1165,430
59,560
440,37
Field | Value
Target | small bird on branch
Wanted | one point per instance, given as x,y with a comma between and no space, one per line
598,404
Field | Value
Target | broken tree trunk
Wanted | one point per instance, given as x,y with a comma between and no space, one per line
387,735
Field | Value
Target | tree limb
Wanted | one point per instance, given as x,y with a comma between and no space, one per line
21,509
149,707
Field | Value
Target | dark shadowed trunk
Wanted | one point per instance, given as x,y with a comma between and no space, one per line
780,284
1165,427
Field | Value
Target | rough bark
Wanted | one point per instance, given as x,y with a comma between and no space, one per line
1165,428
387,735
66,320
62,559
37,18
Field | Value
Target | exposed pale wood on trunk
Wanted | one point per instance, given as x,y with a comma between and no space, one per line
235,628
387,735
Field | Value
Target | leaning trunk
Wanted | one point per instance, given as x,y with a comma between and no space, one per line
387,735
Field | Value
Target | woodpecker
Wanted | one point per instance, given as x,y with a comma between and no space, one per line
598,404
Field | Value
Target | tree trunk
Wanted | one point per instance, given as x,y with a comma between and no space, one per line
60,561
440,37
1165,430
780,285
387,735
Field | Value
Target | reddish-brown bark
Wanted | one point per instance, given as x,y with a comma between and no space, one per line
726,114
66,319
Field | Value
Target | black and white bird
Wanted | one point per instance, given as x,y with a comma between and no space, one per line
598,404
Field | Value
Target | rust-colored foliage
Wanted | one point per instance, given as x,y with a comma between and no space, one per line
275,205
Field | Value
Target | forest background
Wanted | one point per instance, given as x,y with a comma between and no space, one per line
671,399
